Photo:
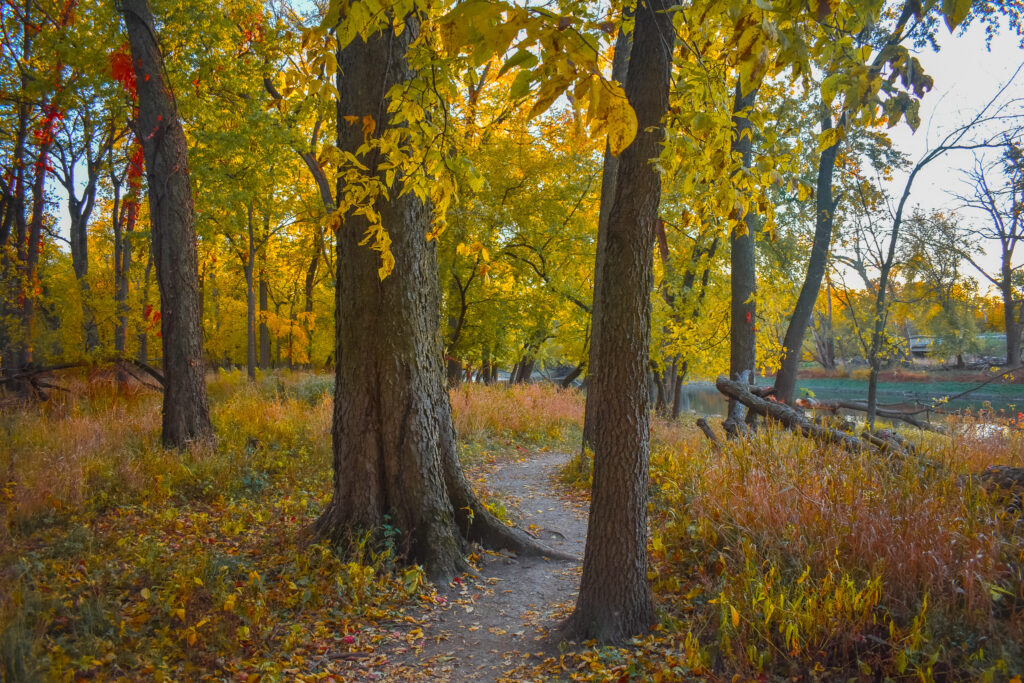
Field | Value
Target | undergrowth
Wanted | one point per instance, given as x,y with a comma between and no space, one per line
777,558
772,558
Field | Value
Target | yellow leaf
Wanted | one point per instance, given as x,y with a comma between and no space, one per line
735,617
144,593
830,136
180,613
955,11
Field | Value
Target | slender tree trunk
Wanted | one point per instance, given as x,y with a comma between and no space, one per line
456,299
785,379
143,333
615,600
264,330
250,298
30,281
393,441
1012,317
743,276
124,225
186,415
609,174
311,272
677,391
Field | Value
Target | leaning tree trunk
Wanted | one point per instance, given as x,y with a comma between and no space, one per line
393,440
743,276
186,414
793,344
615,600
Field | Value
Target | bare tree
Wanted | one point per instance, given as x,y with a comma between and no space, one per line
1001,200
994,114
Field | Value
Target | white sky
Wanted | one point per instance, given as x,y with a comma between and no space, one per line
967,75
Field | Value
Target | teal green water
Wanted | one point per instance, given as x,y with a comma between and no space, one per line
704,398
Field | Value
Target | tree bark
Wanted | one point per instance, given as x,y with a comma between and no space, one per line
793,343
393,439
615,600
743,271
609,174
186,415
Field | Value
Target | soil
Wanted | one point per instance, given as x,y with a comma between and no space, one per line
481,627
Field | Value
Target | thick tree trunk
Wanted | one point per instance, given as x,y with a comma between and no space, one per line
615,600
743,275
785,379
609,174
393,441
186,415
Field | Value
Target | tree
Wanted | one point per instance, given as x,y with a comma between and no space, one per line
1003,205
609,176
884,44
186,415
393,440
957,139
615,599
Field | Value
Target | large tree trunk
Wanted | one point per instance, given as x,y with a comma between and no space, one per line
743,275
609,174
186,415
393,440
615,600
785,379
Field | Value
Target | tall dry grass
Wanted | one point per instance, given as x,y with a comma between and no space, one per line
532,411
811,556
98,445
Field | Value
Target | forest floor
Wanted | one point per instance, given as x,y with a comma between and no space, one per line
485,627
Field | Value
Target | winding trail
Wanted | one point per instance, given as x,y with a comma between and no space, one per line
493,623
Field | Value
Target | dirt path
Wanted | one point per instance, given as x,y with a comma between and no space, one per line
493,623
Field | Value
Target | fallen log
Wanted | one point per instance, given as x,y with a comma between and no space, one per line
999,479
903,416
787,416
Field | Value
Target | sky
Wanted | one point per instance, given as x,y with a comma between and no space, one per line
967,74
